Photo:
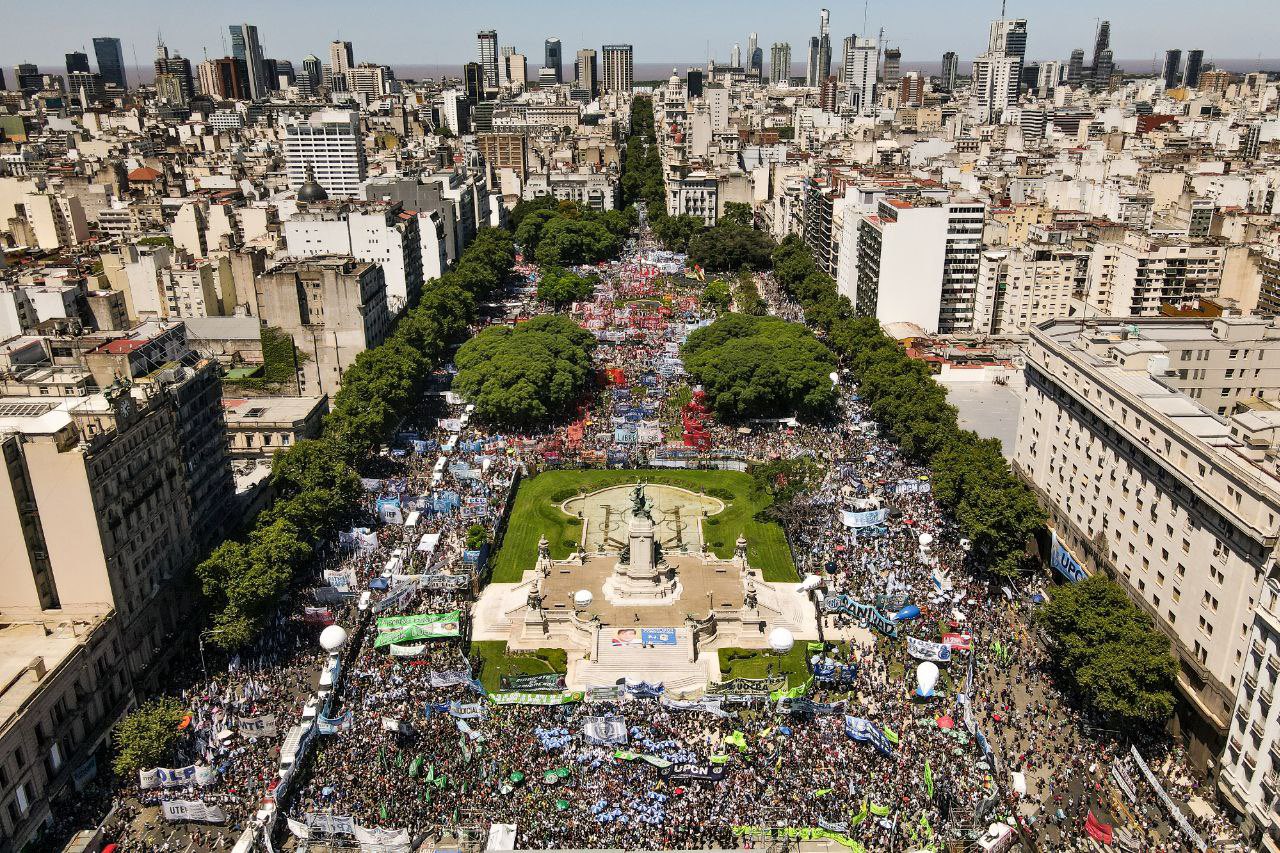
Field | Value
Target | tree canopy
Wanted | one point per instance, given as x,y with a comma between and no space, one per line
146,737
315,482
528,374
731,246
1109,649
560,287
761,367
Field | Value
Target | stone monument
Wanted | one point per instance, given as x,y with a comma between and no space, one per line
641,575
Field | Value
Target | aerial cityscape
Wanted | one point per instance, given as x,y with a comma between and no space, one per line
532,443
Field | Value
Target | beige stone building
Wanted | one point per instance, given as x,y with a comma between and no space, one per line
60,691
1153,444
259,427
335,309
1133,278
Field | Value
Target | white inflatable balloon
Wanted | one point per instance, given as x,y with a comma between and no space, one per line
926,678
782,641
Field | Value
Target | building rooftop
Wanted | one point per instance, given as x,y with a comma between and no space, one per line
269,410
30,650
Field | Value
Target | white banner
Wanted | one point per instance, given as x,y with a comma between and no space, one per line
1178,818
864,519
924,650
299,829
605,730
382,837
331,824
163,777
263,726
707,704
197,810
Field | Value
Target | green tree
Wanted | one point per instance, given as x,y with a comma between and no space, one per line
568,242
728,246
477,536
1109,649
148,737
675,232
560,286
739,214
528,374
761,367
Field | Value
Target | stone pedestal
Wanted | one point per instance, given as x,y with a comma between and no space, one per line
640,578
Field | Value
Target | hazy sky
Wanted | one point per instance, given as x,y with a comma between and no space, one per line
426,32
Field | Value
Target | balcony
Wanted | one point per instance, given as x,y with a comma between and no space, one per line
1257,729
1259,648
1251,760
1267,695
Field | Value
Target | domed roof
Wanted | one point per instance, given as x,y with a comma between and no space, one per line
311,191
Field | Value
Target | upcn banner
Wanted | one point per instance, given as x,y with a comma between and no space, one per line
1065,564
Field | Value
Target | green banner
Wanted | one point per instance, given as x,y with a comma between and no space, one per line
628,755
535,698
438,624
791,692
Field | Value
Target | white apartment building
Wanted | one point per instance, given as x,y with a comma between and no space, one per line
1022,287
920,260
696,194
995,86
617,68
893,262
369,231
1152,443
331,144
1133,278
861,66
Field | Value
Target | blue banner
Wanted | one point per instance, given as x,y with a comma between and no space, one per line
1065,564
867,732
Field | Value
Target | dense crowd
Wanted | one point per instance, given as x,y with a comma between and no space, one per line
416,744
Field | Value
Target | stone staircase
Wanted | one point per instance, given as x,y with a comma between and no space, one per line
667,664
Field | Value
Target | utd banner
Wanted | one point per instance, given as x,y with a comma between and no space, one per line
195,810
923,650
609,731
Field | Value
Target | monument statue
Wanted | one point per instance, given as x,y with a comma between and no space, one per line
641,507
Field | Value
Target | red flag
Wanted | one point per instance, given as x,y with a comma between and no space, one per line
1097,830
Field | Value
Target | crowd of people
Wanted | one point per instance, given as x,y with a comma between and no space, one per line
414,743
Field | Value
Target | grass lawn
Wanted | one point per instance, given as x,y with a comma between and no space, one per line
498,664
537,512
757,663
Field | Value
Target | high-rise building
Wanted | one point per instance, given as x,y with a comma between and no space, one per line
224,78
693,82
518,69
892,68
246,48
735,56
552,58
950,70
811,64
77,61
827,94
110,61
1191,75
780,63
618,68
860,73
179,69
911,89
341,60
504,64
1101,42
1075,68
824,45
1172,68
328,142
995,85
312,75
755,56
997,73
586,72
487,50
335,308
473,82
1103,69
27,77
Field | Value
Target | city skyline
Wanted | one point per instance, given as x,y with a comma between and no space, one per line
447,36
